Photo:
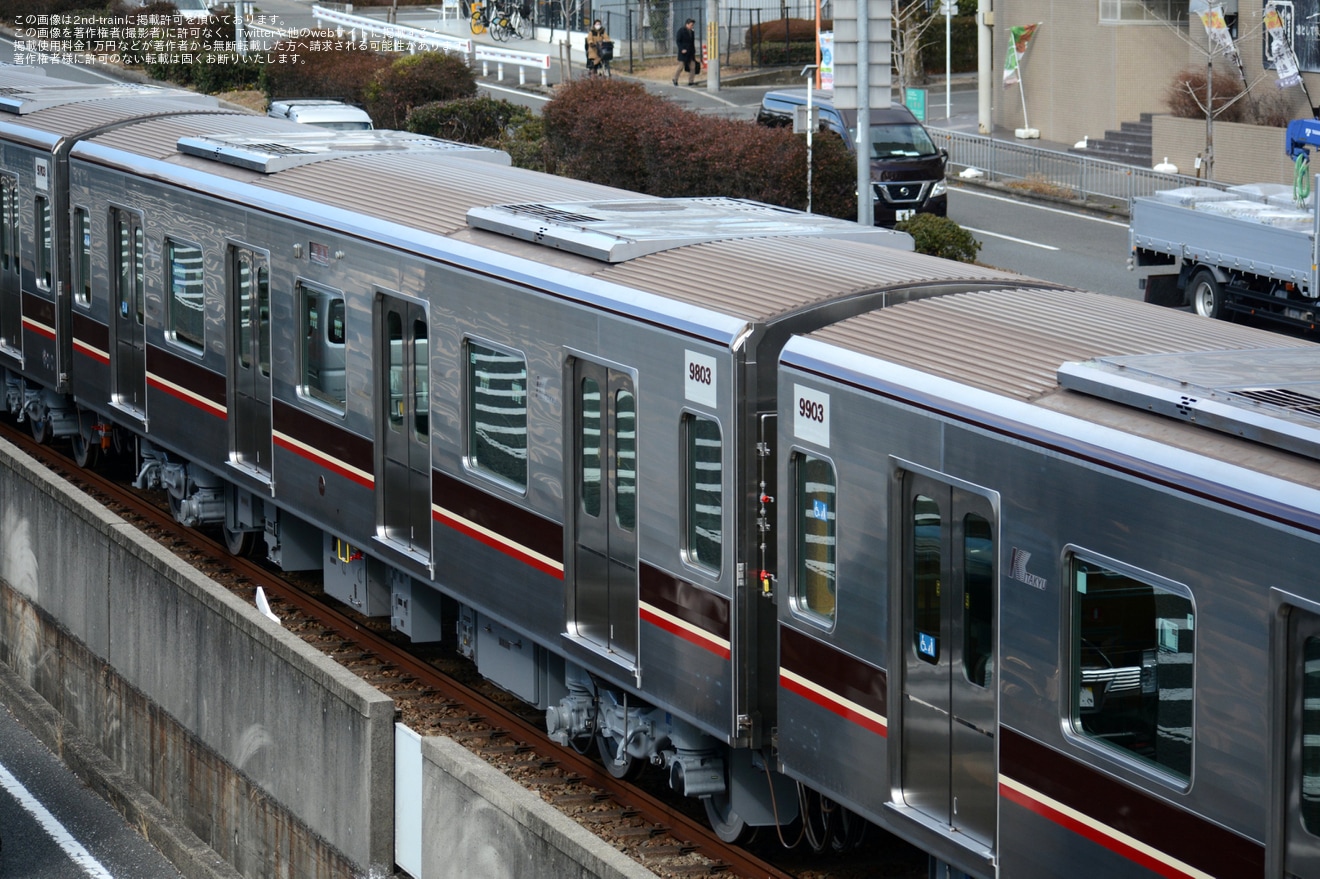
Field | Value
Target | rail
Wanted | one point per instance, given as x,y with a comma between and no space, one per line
415,37
1050,172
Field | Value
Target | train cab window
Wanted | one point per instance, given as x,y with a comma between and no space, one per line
1133,659
45,246
322,354
705,491
815,506
185,304
497,413
82,263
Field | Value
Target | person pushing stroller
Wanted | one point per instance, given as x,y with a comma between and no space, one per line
600,50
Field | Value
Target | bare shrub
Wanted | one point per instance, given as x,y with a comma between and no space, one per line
1187,97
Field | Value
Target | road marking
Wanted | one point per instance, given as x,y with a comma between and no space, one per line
967,190
63,838
1011,238
509,91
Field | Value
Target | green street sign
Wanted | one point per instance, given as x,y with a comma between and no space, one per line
915,99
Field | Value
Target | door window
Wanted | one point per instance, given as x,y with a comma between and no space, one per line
815,544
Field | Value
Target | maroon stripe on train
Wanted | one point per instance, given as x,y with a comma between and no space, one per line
325,436
686,601
513,523
187,373
1176,832
90,332
38,309
830,668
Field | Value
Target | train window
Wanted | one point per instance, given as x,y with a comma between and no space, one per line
705,491
322,354
625,460
394,366
185,304
8,223
1310,762
82,239
497,413
927,566
45,247
589,447
814,489
1132,662
130,269
421,382
978,598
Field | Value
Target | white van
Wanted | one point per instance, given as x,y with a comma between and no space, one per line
322,113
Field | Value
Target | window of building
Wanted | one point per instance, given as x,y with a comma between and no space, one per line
322,355
45,246
1134,11
497,413
814,499
185,303
82,264
705,491
1133,659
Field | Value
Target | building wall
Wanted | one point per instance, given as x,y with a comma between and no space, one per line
1082,78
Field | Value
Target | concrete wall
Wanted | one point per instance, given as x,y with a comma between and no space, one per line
480,824
273,755
1243,153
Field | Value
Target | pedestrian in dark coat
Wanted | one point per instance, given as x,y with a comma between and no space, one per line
686,41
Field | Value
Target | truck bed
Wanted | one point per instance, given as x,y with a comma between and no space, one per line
1240,234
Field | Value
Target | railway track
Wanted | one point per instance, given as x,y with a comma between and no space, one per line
431,700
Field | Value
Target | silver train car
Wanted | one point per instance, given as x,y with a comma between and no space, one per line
667,466
1051,605
531,409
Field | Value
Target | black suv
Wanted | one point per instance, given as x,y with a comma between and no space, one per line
907,171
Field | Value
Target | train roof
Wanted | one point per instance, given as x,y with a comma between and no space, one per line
745,260
1238,394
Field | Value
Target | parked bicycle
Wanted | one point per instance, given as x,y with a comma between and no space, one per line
479,16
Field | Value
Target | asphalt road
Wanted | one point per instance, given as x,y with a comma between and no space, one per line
53,827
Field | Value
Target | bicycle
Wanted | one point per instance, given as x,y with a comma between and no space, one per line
480,17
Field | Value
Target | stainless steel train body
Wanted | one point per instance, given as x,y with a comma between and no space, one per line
428,374
1051,605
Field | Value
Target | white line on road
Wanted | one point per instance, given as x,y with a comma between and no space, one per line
1010,238
63,838
508,91
967,190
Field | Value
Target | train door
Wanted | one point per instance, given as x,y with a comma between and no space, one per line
604,605
948,766
403,425
249,322
11,297
129,324
1302,775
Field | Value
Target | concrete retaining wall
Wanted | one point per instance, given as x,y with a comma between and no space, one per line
480,824
273,755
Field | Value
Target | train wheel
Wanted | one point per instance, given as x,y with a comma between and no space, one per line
39,423
608,746
239,543
1207,296
85,451
727,824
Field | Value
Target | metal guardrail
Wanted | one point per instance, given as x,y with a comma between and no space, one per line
1046,172
414,37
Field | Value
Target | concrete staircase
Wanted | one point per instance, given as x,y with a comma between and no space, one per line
1131,144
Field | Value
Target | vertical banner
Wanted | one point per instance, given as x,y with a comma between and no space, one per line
1216,28
1017,50
827,60
1278,49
